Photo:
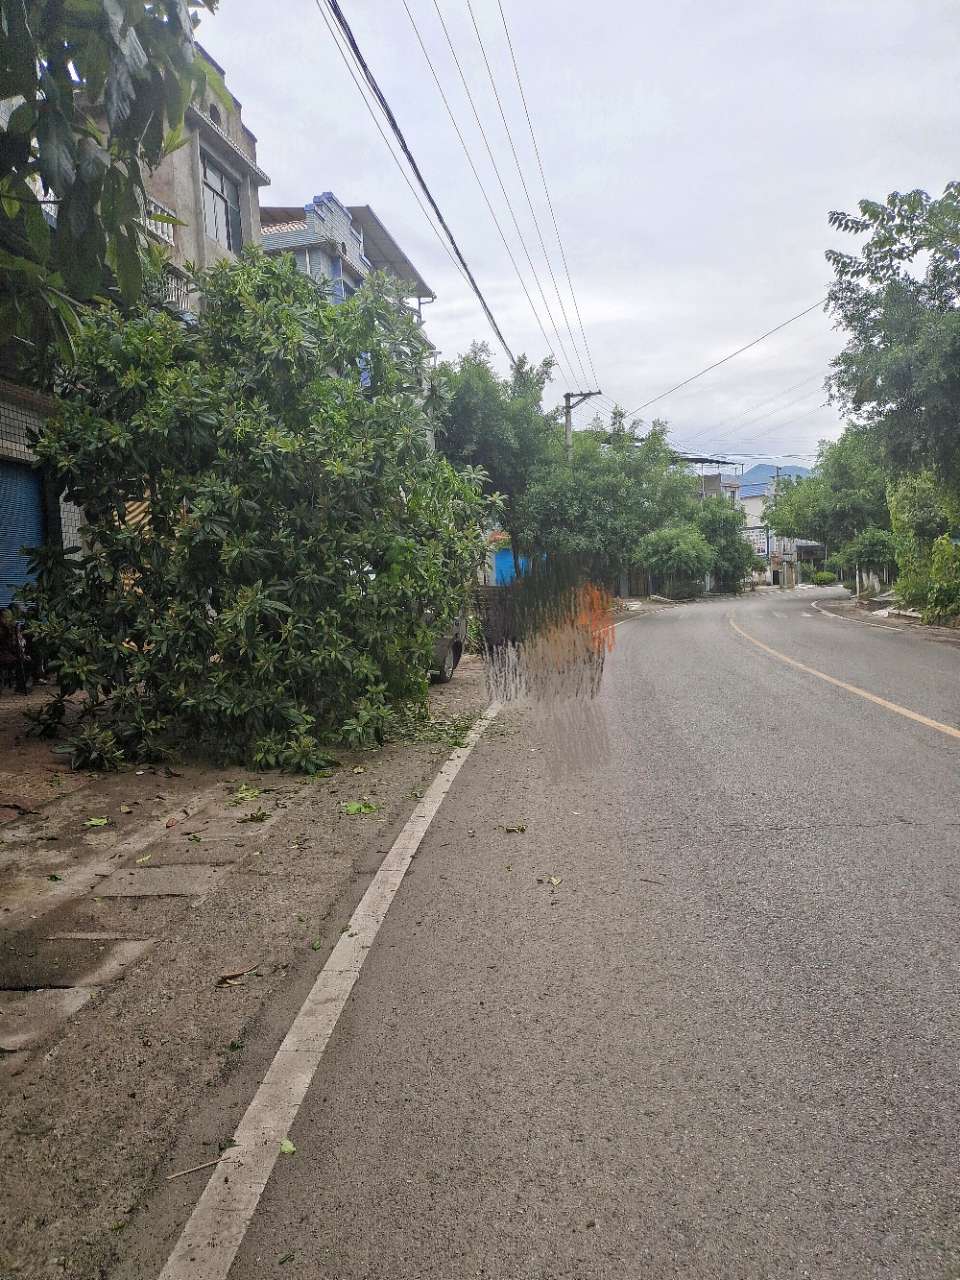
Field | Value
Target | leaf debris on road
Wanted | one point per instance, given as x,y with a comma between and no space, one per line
355,807
258,815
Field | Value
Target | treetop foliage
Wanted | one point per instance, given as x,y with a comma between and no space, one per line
899,372
98,89
302,543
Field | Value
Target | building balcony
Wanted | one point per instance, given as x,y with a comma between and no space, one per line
177,291
161,230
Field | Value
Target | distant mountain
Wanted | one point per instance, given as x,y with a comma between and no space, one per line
764,471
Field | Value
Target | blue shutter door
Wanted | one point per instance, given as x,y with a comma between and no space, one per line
21,524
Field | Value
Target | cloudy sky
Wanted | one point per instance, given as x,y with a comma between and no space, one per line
692,150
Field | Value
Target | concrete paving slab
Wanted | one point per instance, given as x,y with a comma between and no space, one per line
118,917
156,882
27,1017
28,962
209,851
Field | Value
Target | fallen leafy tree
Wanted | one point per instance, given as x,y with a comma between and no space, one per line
271,543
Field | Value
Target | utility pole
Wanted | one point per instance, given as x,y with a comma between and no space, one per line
570,401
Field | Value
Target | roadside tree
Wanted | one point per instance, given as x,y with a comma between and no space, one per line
496,424
899,372
721,524
620,486
95,91
677,557
270,535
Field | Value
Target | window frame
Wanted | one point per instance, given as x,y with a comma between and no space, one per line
218,186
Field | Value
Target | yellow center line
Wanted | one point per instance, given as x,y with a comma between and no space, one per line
949,730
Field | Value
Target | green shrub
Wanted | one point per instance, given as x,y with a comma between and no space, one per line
300,532
943,599
823,578
474,638
912,588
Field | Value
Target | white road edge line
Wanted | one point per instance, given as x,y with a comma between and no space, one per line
877,626
216,1228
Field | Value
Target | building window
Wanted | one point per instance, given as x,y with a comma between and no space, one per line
221,206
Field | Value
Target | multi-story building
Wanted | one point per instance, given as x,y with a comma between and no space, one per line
211,186
779,554
340,245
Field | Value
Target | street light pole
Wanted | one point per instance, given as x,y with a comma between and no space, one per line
570,401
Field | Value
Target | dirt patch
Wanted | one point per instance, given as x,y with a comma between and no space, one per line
148,1065
31,773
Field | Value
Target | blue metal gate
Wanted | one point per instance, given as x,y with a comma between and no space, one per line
21,524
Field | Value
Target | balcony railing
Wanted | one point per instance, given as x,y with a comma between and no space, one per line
162,230
177,290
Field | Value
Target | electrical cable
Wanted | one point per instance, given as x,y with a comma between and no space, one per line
405,148
760,404
717,363
396,159
526,192
502,185
479,180
546,191
764,419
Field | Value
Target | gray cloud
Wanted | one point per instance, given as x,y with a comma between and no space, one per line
693,152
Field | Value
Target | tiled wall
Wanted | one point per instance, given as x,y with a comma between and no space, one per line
16,421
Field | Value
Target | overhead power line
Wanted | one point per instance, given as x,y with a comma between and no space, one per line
526,192
393,155
717,363
764,418
751,409
774,429
546,192
502,185
421,181
479,180
777,428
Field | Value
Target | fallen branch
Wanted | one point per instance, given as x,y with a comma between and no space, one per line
197,1167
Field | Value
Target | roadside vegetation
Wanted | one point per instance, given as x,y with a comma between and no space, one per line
885,497
83,155
626,510
271,543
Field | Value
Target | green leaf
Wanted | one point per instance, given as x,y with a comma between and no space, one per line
126,261
55,144
354,807
286,1147
22,119
96,822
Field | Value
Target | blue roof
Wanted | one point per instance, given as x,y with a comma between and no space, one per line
754,490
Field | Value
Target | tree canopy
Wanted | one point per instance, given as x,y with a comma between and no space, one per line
721,524
302,542
95,90
897,299
844,494
621,485
496,424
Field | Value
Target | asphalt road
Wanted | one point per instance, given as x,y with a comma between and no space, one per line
724,1043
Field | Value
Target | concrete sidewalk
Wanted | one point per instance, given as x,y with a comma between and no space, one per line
144,961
